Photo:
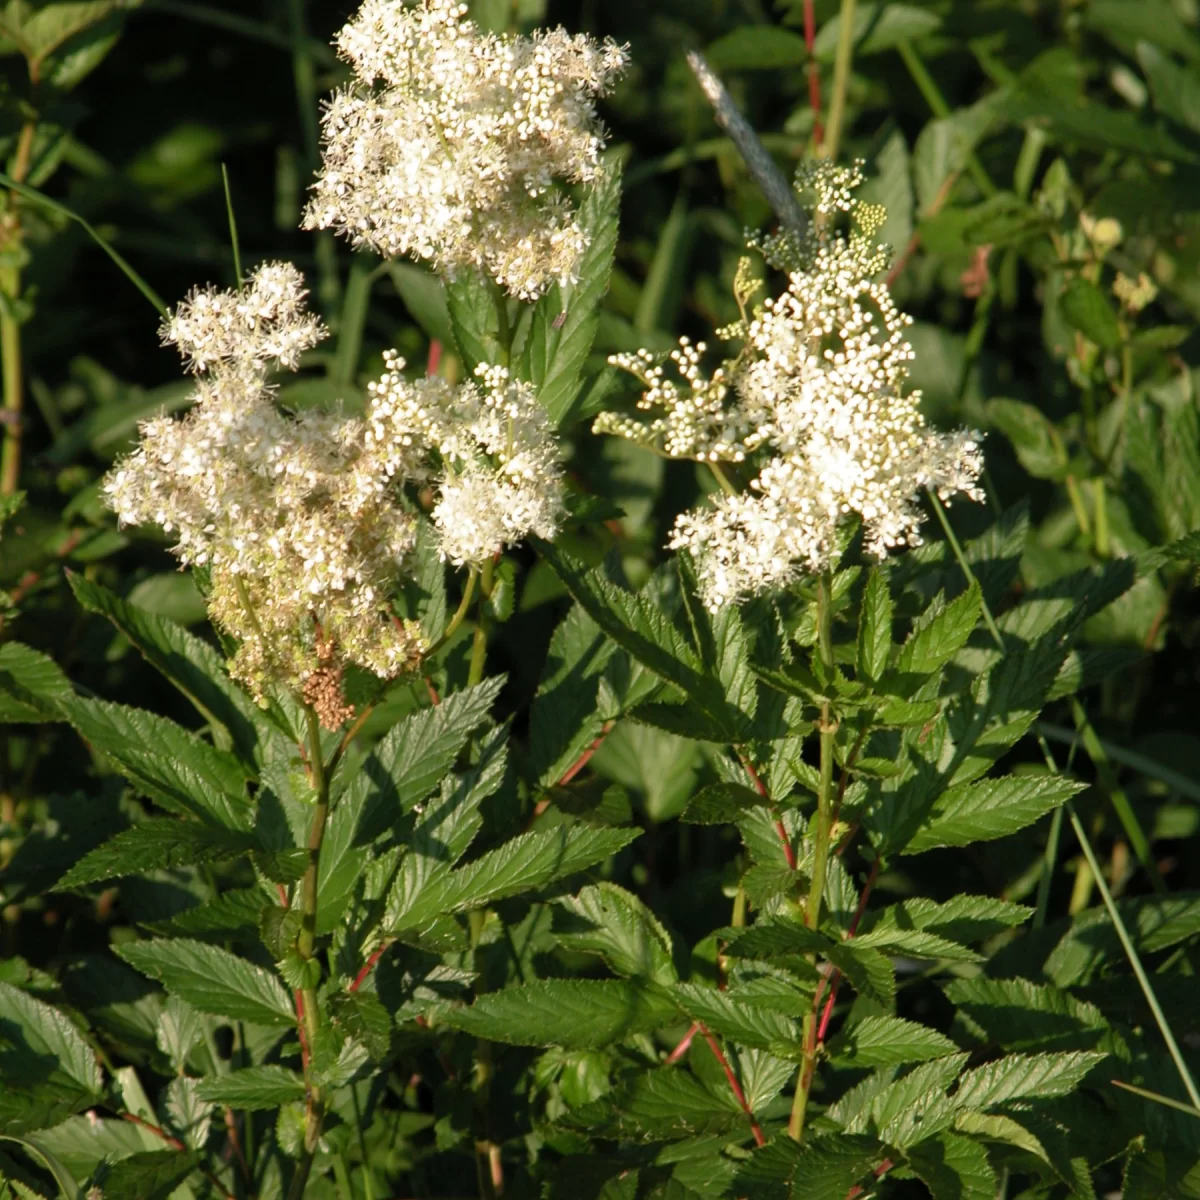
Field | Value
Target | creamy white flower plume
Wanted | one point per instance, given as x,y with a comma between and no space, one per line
448,145
815,403
296,518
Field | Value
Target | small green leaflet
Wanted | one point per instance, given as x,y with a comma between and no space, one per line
577,1014
888,1042
155,844
268,1086
212,979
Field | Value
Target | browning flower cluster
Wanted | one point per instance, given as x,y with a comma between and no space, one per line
816,404
448,144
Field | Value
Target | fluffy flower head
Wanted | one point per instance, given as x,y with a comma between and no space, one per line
292,515
497,476
448,144
815,403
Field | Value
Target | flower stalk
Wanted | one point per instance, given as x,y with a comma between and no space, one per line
306,949
821,842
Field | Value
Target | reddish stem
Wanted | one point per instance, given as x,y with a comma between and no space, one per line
134,1119
685,1044
736,1087
298,997
814,73
435,357
586,757
434,698
879,1172
235,1142
176,1144
834,979
368,966
761,789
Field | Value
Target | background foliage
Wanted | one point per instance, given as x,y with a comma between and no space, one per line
1005,137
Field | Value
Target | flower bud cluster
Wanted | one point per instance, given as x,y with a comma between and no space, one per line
448,144
815,403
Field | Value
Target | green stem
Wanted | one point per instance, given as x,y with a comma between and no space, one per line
306,948
1134,960
459,613
938,106
14,398
10,327
504,332
718,473
956,546
841,80
479,644
821,842
1120,801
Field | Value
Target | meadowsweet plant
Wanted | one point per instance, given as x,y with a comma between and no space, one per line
509,815
815,410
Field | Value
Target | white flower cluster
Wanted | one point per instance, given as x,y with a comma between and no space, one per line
448,145
499,476
301,519
294,516
816,400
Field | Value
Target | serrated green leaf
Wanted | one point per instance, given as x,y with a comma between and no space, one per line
996,1127
1020,1015
149,1175
40,1046
565,717
170,765
917,943
470,301
362,1017
746,1024
826,1167
963,919
888,1042
721,804
874,628
1024,1076
189,1116
577,1014
1087,309
939,634
156,844
31,686
607,920
212,979
633,621
529,861
660,1105
905,1110
953,1168
402,770
563,324
192,665
268,1086
990,808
